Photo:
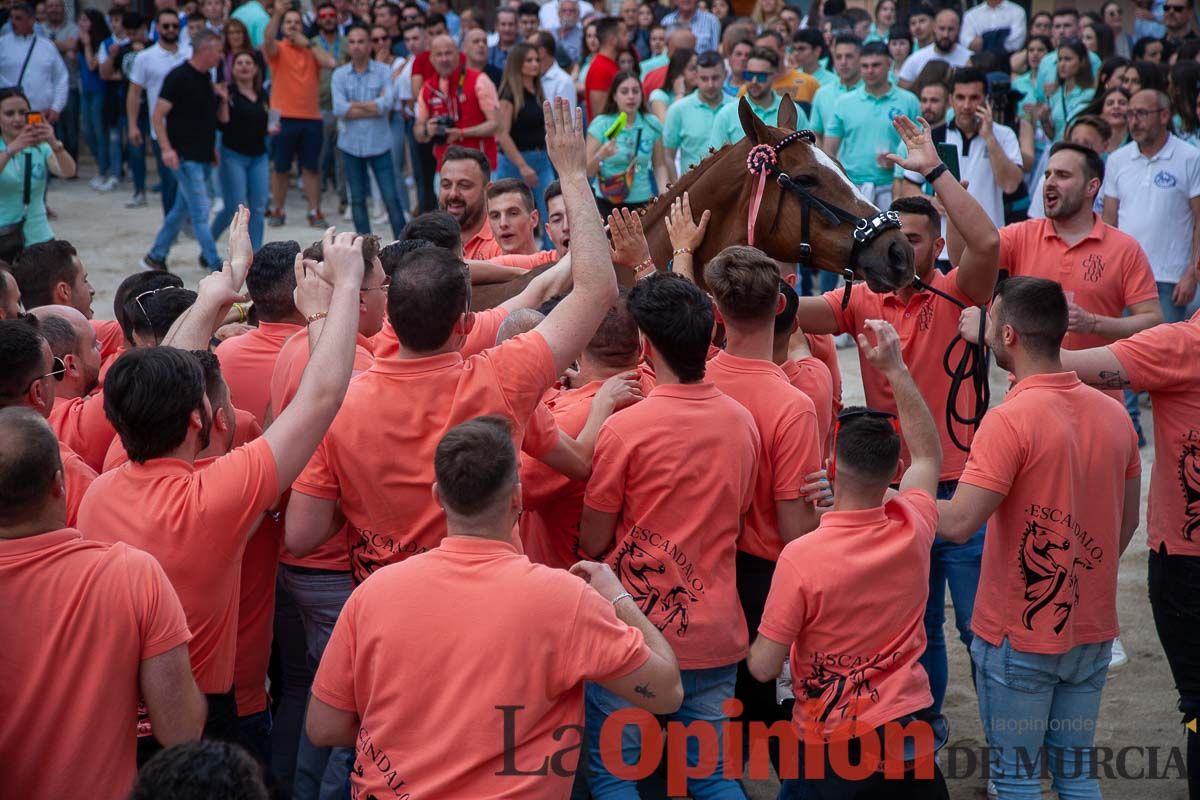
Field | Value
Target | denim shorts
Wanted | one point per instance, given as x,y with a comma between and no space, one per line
297,138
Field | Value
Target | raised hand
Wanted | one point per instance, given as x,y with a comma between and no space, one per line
884,355
343,257
314,289
629,247
922,153
220,288
619,391
682,228
564,139
241,252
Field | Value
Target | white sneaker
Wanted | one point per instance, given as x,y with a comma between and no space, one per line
843,341
97,182
347,215
109,184
137,201
991,788
1119,657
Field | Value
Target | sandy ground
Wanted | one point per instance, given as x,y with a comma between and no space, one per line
1139,701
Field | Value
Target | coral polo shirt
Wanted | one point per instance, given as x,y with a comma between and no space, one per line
850,599
247,362
377,457
485,325
482,246
410,656
1162,360
676,539
1060,452
80,423
196,522
110,336
78,477
926,324
811,376
80,618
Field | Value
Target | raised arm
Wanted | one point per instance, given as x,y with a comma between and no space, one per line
270,44
194,328
570,326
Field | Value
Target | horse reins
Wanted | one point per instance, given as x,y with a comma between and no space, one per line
763,161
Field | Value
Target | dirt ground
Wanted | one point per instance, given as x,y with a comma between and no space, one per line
1139,701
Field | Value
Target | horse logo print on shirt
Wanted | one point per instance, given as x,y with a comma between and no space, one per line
1049,564
644,576
839,685
1189,481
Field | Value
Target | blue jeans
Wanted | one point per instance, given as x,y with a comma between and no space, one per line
360,189
91,121
539,162
1171,312
399,141
137,153
1035,706
256,734
307,604
958,566
191,199
169,181
244,180
704,690
826,281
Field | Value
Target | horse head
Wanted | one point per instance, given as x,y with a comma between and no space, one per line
885,261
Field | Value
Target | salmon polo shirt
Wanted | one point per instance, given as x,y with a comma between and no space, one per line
79,619
1060,453
1162,361
849,598
430,651
678,468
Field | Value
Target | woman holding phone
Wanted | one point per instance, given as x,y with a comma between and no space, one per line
28,151
623,157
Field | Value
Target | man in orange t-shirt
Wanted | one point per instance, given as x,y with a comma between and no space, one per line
1055,472
486,704
101,620
847,602
296,64
157,402
78,415
377,458
672,482
1162,361
29,374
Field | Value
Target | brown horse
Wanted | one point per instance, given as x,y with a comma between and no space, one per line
723,184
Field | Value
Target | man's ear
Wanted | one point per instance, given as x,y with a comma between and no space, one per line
780,304
62,293
220,420
437,496
790,279
196,419
717,317
536,218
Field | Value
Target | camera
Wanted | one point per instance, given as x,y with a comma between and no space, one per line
438,127
1003,99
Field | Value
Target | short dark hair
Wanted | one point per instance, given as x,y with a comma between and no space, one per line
552,191
765,54
677,318
1094,121
29,460
456,152
134,285
429,293
848,38
968,75
544,40
201,769
149,393
876,49
60,335
1093,164
1036,308
512,186
272,280
436,227
616,342
867,446
21,358
920,10
744,282
791,304
132,20
772,34
607,27
172,11
528,9
152,313
1066,11
435,19
920,205
42,266
900,31
215,387
390,256
810,36
475,463
353,26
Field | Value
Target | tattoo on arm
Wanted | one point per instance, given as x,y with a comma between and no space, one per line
644,691
1110,379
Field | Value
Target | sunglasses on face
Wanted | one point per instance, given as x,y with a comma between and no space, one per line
756,77
58,371
1179,9
380,39
846,416
168,26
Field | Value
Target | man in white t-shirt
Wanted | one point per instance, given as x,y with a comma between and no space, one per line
989,154
945,47
995,17
1152,192
150,68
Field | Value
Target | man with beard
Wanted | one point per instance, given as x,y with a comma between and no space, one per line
945,47
462,195
764,102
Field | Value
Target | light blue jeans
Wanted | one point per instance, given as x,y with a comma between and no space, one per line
91,121
360,189
191,199
539,162
704,690
1037,706
1171,312
244,180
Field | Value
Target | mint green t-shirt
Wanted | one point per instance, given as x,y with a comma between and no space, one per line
727,128
822,105
689,127
627,139
825,77
652,63
12,185
864,124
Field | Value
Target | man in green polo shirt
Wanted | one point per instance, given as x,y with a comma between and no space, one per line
860,132
808,49
690,120
847,52
764,102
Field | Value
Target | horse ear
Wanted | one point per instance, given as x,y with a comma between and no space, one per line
752,126
787,113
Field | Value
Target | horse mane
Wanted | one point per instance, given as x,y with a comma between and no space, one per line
687,179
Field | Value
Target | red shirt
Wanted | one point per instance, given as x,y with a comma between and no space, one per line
599,78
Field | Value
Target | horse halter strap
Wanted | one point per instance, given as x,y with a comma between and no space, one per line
763,161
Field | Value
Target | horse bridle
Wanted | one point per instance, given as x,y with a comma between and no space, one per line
763,161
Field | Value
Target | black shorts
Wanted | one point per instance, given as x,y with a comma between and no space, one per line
297,138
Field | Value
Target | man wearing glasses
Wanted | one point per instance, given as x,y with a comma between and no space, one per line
1178,18
764,102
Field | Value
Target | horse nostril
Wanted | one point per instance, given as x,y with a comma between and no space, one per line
899,257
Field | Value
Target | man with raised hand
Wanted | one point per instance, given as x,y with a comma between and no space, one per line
377,458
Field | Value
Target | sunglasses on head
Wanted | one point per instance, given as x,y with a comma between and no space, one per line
138,299
845,417
756,77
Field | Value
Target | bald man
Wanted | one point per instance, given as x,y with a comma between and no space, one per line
470,122
10,294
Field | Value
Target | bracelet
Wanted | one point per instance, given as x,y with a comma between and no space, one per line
644,269
681,250
936,173
311,318
621,597
241,309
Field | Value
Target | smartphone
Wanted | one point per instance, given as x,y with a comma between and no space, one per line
34,118
948,153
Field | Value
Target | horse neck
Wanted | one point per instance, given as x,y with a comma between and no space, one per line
717,184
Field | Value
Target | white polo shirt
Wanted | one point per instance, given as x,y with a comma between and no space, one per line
975,167
1155,196
958,57
985,18
150,69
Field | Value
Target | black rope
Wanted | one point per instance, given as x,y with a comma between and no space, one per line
972,367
